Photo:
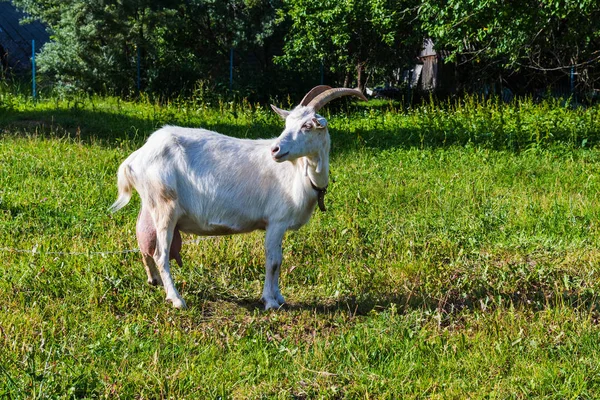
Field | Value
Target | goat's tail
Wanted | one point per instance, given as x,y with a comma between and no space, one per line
125,185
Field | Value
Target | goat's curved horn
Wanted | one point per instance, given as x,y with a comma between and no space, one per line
314,92
318,102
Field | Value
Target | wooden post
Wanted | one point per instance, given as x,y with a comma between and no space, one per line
33,82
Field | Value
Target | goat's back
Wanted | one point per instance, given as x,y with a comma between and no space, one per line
217,183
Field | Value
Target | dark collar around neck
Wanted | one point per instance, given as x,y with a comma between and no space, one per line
320,195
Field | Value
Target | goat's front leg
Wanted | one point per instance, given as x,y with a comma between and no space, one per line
271,295
164,237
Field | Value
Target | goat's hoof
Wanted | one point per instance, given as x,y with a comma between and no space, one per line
178,303
155,282
271,304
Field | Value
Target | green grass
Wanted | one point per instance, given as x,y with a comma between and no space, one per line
458,259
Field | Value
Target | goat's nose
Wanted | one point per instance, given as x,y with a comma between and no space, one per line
275,149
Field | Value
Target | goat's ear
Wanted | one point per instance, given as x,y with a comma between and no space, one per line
282,113
319,122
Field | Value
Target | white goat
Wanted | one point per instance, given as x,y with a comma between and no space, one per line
201,182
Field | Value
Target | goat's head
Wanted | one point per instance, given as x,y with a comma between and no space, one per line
305,132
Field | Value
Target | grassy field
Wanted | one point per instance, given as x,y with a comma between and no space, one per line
458,258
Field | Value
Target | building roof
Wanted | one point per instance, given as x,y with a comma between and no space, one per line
15,38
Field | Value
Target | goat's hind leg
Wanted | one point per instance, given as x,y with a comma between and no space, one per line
154,278
165,227
146,238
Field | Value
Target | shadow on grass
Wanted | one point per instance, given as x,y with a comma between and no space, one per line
114,127
114,124
81,125
510,127
448,308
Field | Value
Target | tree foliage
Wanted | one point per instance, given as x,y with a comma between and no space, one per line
351,35
97,43
540,38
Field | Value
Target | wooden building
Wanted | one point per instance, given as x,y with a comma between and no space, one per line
431,74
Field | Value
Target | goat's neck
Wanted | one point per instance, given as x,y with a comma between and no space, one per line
317,169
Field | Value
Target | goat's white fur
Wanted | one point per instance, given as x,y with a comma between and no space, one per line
205,183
